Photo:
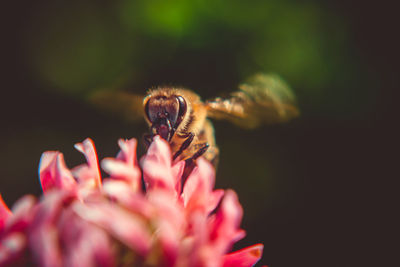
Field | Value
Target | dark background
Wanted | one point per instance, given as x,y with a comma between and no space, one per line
313,190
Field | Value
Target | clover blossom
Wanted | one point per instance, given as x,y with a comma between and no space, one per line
84,220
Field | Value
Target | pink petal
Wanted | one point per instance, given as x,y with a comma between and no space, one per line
92,249
12,248
160,151
246,257
44,235
120,170
224,225
157,167
46,251
124,167
168,210
83,243
202,180
53,172
194,250
5,213
177,171
122,193
198,190
88,173
23,212
128,228
169,221
128,151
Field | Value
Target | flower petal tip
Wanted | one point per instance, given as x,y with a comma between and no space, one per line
88,149
128,150
53,172
246,257
5,213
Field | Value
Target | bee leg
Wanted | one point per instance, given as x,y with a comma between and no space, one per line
200,152
190,163
184,145
147,139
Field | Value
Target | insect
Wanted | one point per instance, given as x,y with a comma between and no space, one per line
183,119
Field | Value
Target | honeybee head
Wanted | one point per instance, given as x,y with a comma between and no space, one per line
164,113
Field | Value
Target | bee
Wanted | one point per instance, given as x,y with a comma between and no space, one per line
180,116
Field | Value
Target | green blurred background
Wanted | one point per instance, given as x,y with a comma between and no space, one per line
304,185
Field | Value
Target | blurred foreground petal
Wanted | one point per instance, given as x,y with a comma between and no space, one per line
4,213
84,221
245,257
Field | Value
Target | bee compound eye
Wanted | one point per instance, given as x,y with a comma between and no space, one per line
146,110
181,110
182,106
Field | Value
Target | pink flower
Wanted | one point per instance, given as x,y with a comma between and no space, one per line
83,220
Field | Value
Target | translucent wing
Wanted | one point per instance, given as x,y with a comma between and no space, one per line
129,106
262,99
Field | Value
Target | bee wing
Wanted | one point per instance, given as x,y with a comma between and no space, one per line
127,105
262,99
